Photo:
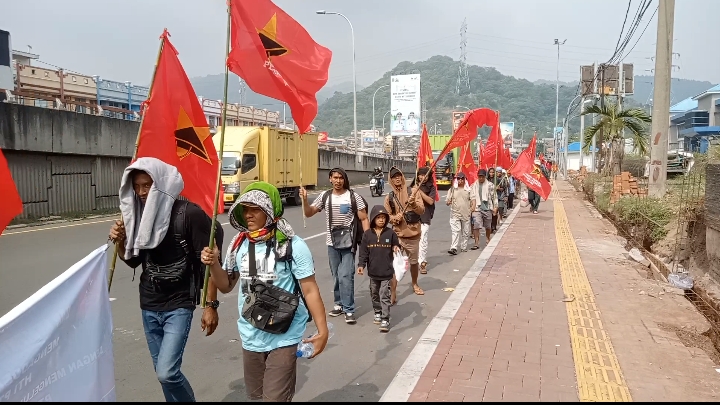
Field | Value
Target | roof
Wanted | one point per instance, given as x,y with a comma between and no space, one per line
712,90
688,104
25,54
575,147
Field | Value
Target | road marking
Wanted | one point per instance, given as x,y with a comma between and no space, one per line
597,368
407,377
56,227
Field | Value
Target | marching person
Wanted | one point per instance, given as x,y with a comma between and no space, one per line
376,255
405,206
345,217
427,187
273,265
486,204
460,201
166,236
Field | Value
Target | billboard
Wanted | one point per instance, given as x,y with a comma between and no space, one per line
457,117
405,107
507,131
322,137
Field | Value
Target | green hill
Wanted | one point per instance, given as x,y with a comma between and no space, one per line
530,105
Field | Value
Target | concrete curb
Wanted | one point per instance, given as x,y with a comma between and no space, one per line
407,377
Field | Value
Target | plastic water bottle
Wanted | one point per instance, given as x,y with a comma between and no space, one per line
306,350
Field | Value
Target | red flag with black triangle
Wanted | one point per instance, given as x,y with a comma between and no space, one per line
277,57
175,130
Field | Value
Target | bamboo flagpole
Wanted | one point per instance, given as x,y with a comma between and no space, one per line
113,262
218,183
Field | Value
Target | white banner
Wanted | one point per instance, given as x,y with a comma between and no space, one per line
405,105
57,344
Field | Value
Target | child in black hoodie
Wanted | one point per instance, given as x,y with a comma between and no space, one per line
376,254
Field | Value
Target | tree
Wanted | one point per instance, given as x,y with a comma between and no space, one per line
609,130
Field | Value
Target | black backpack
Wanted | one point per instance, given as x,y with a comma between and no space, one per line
168,274
357,225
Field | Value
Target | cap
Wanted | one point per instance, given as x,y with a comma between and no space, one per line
460,175
482,172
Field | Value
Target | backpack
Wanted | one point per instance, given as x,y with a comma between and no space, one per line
167,274
358,229
411,217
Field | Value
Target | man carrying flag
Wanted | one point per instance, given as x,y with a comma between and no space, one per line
425,177
164,235
528,170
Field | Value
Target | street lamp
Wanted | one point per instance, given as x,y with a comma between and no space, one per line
462,106
376,90
557,82
352,33
384,123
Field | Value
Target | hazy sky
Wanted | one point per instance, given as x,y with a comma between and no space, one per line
118,39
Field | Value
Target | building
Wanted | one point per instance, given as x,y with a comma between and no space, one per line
573,156
238,115
58,88
695,122
119,95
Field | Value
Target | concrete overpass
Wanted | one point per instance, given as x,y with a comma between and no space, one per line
65,163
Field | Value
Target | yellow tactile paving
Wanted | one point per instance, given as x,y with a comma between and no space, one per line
596,365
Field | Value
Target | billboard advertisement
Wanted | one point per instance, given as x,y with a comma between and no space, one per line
405,105
322,137
507,131
457,117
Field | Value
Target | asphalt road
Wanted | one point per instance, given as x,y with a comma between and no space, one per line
358,364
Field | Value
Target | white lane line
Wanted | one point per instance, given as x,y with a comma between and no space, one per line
56,227
407,377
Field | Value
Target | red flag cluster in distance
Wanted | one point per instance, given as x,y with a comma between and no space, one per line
467,130
10,204
467,165
529,173
425,156
175,130
277,57
494,153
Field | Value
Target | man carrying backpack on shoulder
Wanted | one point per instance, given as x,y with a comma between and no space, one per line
405,207
166,237
346,220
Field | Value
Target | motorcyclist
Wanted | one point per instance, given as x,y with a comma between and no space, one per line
379,175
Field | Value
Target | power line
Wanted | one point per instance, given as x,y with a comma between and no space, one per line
642,33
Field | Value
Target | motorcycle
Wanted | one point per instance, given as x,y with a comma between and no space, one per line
376,187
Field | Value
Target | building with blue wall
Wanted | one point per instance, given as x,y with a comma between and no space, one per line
695,122
123,95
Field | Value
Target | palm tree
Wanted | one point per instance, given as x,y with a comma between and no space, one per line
609,131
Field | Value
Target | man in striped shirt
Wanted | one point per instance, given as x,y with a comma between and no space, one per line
345,211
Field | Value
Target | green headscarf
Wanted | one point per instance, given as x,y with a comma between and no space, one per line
276,230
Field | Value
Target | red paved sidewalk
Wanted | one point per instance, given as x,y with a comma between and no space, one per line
509,340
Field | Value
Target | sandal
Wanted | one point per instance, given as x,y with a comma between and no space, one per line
423,268
417,290
476,247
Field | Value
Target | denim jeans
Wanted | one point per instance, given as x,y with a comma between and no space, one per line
342,267
167,333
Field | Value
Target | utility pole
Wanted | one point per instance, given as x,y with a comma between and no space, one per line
661,99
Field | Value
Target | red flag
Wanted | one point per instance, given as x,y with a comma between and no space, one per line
493,152
277,57
467,130
529,173
10,204
425,156
467,165
175,130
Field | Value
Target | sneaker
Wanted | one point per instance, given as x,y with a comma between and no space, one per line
385,326
337,311
350,319
452,251
377,319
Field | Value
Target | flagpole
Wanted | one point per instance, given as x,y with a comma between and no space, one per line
211,244
113,262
